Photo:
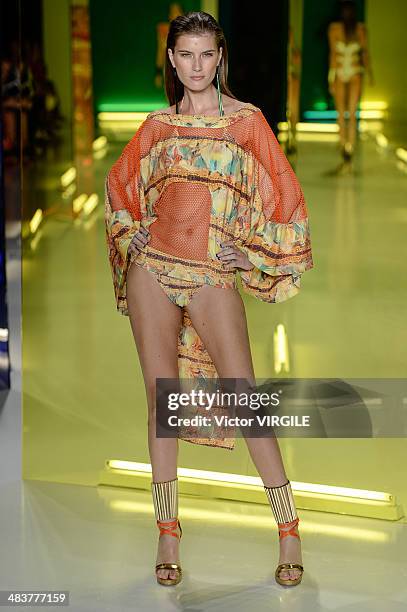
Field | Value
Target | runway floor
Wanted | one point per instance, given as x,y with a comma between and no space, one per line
100,542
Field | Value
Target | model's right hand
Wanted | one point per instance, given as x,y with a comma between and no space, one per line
139,240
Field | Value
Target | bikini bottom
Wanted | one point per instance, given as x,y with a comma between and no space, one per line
345,73
180,291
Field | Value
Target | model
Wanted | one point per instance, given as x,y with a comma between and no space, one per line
202,190
349,60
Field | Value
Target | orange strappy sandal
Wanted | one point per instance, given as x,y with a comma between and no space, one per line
169,527
284,566
282,504
165,498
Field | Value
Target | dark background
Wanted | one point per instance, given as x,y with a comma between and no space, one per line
257,44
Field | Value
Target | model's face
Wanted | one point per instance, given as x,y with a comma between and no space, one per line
195,56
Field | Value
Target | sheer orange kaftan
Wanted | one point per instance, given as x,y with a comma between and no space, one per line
195,181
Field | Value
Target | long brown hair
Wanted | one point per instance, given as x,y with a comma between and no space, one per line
349,18
194,22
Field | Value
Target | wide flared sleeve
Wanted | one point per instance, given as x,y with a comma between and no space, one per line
275,233
124,206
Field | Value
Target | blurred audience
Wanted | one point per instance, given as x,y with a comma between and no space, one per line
30,103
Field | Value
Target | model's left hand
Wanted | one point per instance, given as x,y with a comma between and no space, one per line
232,257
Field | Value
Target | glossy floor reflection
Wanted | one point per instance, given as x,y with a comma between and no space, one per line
99,543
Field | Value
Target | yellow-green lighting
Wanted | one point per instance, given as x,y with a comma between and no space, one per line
68,177
374,105
242,479
36,220
402,154
99,143
281,361
78,203
122,116
257,521
91,203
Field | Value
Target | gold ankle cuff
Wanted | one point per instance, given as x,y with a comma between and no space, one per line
282,502
165,499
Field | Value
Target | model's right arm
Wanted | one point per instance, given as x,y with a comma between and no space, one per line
124,192
125,203
123,195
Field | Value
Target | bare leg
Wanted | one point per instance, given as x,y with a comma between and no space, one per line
155,323
340,104
219,318
355,87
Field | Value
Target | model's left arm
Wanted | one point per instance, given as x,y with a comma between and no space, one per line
277,238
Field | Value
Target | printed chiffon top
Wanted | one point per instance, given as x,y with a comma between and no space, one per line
196,181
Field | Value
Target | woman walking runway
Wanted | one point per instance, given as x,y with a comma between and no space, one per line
349,60
203,191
